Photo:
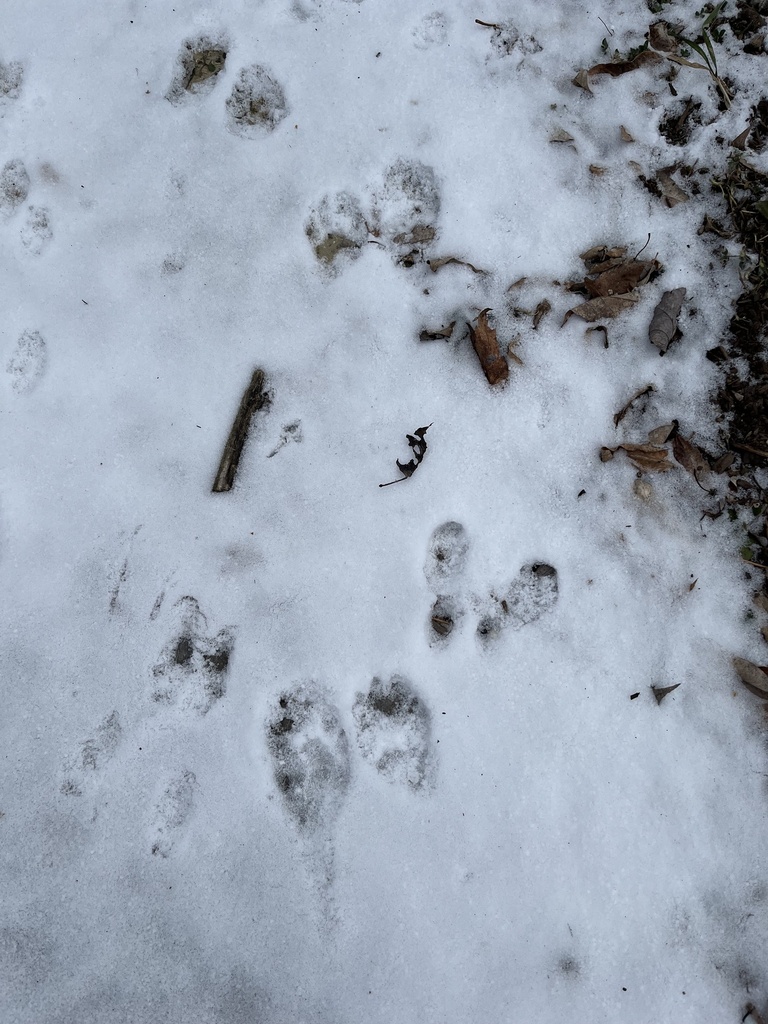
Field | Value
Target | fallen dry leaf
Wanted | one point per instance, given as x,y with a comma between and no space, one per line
486,345
597,170
660,692
600,257
740,142
761,600
724,462
581,79
660,37
602,307
624,135
622,67
754,677
560,135
619,416
670,190
417,442
643,456
690,457
540,312
622,278
516,284
435,265
442,335
663,326
600,327
660,435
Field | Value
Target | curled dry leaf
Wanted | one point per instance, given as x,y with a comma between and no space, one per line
661,38
443,261
540,312
442,335
740,142
624,135
754,677
602,307
601,257
417,442
597,170
660,435
660,692
643,456
622,67
619,416
581,80
486,345
560,135
690,457
663,326
599,327
622,278
670,190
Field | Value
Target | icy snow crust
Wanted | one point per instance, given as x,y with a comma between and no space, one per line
244,781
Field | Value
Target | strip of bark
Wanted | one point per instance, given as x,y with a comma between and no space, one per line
254,398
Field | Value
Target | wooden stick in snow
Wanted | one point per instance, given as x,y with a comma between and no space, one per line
254,398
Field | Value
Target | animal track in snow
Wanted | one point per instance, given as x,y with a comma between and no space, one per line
93,755
257,103
432,30
14,187
336,229
533,593
406,206
310,757
444,568
198,65
11,81
173,811
193,665
36,232
27,364
393,730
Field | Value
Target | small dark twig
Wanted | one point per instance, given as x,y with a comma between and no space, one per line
254,398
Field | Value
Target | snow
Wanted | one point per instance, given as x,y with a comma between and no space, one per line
531,844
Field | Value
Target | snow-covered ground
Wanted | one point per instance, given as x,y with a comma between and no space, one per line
244,778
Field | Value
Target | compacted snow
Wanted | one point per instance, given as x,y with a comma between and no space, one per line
311,750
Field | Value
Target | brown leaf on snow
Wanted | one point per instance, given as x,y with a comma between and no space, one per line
660,692
660,435
486,344
602,307
647,456
442,335
663,326
560,135
581,79
740,142
690,457
619,416
624,134
754,677
621,279
621,67
597,170
670,190
540,312
599,327
643,456
660,37
435,265
600,257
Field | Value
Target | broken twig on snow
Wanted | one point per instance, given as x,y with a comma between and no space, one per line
255,397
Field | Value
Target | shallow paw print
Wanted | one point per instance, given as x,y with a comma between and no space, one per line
11,81
532,594
257,103
310,757
36,232
28,362
432,30
94,753
291,433
198,65
393,731
406,207
336,229
173,811
444,569
14,187
193,666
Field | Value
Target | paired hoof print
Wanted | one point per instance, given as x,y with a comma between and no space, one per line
393,731
197,67
336,229
310,757
257,103
193,666
531,595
